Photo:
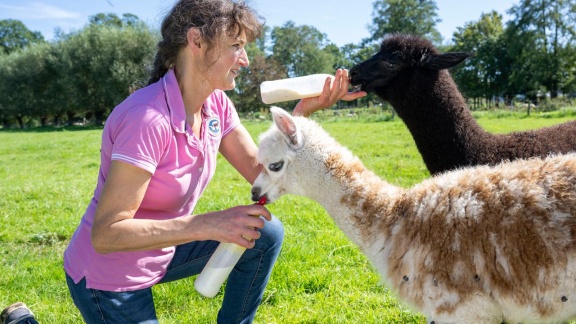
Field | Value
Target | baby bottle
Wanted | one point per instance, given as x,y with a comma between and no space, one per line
219,266
293,88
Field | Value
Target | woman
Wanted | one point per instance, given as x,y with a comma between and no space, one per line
158,154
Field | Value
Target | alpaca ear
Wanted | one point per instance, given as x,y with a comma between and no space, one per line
444,61
287,126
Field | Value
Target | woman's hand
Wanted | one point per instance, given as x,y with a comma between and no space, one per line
334,90
238,224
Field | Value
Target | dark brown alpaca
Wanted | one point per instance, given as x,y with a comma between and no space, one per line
412,76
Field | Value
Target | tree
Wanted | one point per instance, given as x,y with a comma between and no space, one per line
301,49
549,27
9,98
113,20
418,17
24,80
15,35
98,66
485,74
102,19
569,86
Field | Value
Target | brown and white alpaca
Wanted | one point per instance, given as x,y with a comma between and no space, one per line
476,245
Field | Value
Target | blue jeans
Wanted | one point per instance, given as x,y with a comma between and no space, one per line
242,295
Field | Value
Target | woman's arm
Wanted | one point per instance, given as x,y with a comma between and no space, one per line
239,148
115,228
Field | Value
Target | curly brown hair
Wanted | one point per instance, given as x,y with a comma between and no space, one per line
213,18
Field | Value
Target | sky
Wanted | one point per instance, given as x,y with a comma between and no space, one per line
343,21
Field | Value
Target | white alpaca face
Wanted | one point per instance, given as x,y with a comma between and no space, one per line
270,181
275,152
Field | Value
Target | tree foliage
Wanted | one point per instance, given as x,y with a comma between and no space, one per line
301,49
100,80
485,73
418,17
549,27
14,35
84,74
110,19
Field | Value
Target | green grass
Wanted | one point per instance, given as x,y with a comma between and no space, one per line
48,177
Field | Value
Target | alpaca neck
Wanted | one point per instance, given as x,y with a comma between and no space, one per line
355,197
438,119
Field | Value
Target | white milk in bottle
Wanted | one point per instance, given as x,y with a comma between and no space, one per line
218,268
293,88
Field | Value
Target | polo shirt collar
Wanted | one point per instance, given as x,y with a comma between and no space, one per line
174,102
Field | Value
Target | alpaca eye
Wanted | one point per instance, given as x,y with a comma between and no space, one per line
389,65
275,167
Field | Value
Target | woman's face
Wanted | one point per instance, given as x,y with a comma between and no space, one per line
231,56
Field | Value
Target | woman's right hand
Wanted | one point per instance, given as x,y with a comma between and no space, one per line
238,224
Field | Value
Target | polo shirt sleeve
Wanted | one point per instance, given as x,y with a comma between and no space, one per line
140,138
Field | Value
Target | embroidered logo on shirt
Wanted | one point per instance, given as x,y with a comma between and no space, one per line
214,126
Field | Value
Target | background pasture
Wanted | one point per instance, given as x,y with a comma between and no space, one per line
47,177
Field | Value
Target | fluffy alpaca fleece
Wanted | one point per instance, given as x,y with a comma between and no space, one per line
476,245
412,76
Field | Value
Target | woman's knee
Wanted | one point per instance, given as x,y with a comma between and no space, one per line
272,234
273,230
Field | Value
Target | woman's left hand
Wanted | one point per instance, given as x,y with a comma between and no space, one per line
334,90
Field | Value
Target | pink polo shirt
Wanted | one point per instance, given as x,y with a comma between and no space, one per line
149,130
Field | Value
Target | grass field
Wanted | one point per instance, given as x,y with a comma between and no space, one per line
48,175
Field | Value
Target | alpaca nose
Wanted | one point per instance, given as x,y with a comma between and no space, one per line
353,71
353,74
256,191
